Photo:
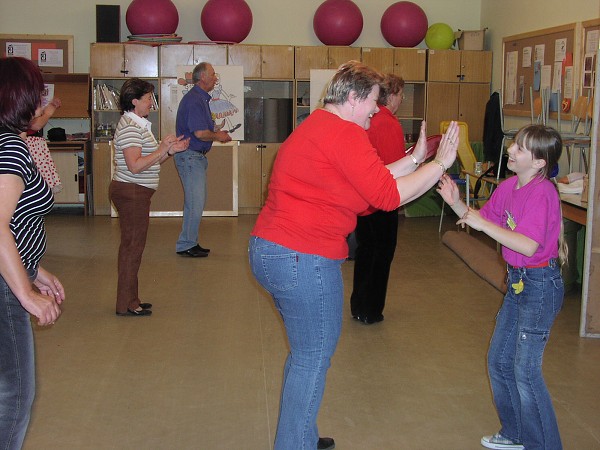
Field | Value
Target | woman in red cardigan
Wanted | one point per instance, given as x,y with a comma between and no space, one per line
325,174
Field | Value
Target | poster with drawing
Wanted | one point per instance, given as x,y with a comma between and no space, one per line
227,97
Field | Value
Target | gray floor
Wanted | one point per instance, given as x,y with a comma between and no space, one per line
204,372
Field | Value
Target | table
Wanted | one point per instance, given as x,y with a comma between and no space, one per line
573,208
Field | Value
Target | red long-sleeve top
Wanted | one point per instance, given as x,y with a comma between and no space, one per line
325,174
387,136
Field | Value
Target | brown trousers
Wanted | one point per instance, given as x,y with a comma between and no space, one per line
133,204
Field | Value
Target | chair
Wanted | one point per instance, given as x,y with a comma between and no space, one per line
467,160
579,112
466,156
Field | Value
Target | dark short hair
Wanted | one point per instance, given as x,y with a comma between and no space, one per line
132,89
391,85
21,89
351,76
543,142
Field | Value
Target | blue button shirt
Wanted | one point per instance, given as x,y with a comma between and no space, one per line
193,115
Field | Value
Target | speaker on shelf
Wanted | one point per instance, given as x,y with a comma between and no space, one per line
108,23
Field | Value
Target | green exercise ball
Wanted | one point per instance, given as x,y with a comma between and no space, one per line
439,36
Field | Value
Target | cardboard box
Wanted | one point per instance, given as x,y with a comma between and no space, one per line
471,40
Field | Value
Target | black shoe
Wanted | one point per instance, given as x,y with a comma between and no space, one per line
136,312
193,252
146,305
325,444
202,249
368,320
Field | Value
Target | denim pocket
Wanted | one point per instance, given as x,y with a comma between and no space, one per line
281,271
531,347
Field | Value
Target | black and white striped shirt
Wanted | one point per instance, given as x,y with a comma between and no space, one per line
27,222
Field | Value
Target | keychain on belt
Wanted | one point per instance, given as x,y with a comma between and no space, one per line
510,222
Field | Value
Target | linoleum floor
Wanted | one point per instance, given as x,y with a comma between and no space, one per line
204,371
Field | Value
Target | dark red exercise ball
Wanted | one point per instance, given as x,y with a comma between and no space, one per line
404,24
152,17
226,20
338,22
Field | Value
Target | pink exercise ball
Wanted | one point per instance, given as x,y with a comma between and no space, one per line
152,17
404,24
338,22
226,20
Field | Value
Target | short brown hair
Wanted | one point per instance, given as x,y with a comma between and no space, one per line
391,85
132,89
351,76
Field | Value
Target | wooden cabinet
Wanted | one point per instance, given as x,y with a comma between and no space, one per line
116,60
410,64
381,59
73,89
255,163
457,101
174,55
322,57
221,185
458,88
101,176
71,161
460,66
263,61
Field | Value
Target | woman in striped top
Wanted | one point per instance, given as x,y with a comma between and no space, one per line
138,157
25,287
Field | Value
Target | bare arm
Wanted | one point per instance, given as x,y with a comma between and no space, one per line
211,136
513,240
40,122
508,238
417,183
44,307
409,164
136,163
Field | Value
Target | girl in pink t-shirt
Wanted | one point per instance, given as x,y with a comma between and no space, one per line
524,216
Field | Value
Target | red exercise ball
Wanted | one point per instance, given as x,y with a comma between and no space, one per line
338,22
152,17
404,24
226,20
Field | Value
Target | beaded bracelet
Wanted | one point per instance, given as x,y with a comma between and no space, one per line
414,159
441,164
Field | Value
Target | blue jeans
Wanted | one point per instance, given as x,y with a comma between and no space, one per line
308,293
515,357
17,369
192,167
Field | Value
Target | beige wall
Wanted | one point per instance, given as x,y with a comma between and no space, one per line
274,21
290,21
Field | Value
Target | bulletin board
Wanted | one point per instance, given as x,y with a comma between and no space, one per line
591,38
522,72
52,53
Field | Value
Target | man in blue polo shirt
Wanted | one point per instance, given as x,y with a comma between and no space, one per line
194,121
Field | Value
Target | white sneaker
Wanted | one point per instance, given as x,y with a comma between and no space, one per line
499,442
